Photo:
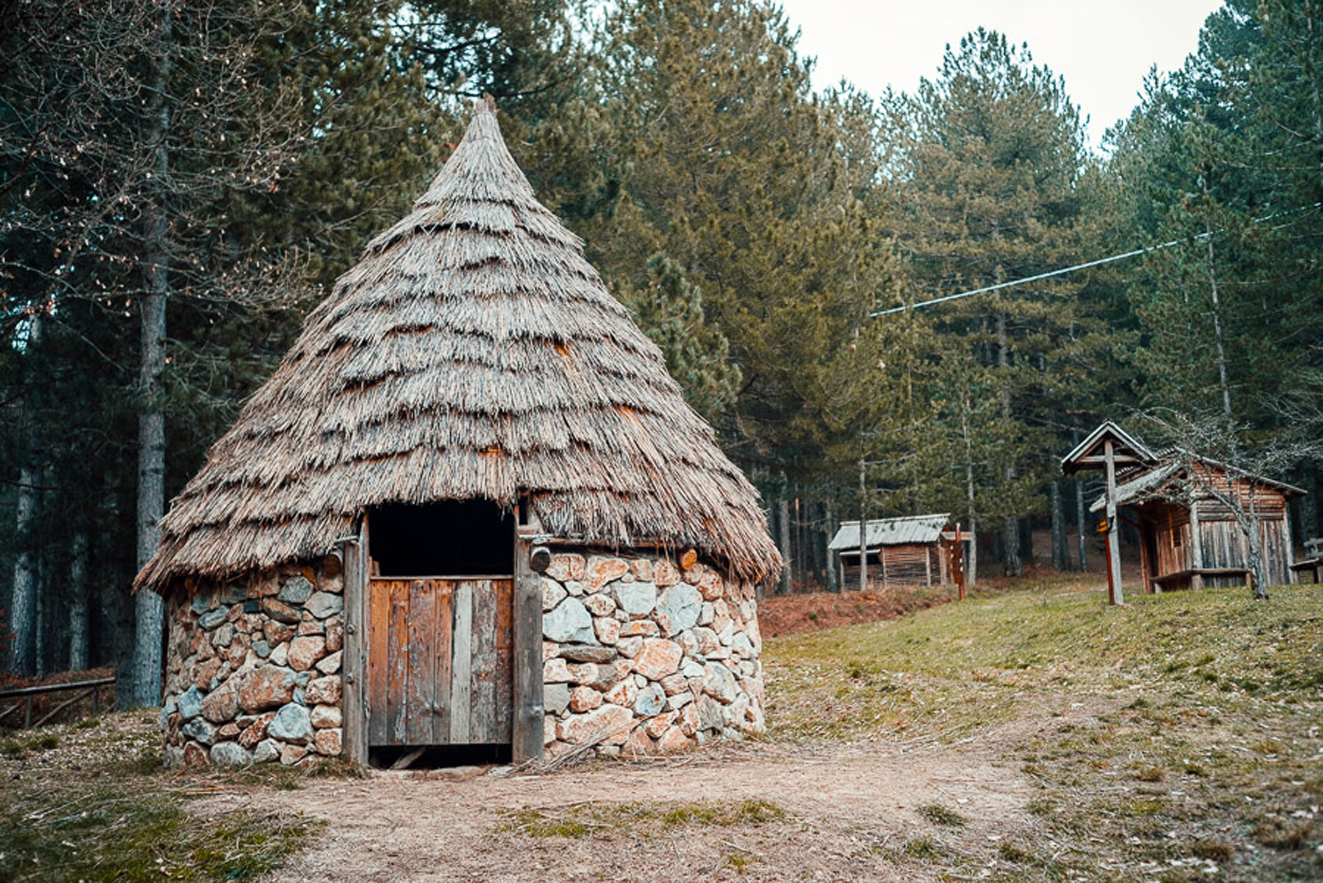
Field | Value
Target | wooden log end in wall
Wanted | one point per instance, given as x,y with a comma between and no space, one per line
539,559
688,558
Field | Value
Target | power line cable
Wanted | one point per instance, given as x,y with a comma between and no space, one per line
1064,270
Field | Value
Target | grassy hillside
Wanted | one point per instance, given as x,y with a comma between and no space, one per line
1200,756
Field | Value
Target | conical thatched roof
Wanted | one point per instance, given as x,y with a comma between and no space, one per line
472,353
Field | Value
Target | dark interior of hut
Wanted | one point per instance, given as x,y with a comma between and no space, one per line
453,538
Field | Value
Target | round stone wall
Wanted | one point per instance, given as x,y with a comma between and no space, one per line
253,669
639,656
642,657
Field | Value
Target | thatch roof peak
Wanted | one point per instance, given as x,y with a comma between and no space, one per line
471,353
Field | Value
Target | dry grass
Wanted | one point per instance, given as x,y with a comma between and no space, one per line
94,803
1175,738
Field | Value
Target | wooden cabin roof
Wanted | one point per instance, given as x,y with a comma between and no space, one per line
1143,483
891,531
1089,454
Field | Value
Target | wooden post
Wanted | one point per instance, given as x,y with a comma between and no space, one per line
1196,546
355,706
1115,594
863,527
960,568
527,735
1289,559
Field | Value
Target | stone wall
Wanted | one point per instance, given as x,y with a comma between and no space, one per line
639,656
642,657
253,668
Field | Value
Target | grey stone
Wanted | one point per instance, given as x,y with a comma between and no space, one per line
651,701
741,644
261,648
587,653
229,754
224,635
200,730
324,604
233,593
678,609
296,591
169,708
719,683
280,655
201,603
636,599
691,669
710,716
210,620
556,698
569,622
552,593
266,751
190,703
291,724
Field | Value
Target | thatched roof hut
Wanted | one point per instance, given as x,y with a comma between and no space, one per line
537,544
472,353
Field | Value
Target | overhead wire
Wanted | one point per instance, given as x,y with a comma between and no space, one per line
1064,270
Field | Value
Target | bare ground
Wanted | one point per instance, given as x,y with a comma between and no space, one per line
852,812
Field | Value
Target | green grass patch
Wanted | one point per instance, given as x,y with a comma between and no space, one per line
1174,738
94,804
636,819
941,815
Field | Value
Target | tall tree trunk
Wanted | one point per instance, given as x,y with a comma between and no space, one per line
783,513
40,626
148,606
1081,525
1218,346
833,581
23,602
971,564
23,599
1060,544
1011,563
78,602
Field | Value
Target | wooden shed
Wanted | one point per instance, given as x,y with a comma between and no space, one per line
470,508
1189,511
905,551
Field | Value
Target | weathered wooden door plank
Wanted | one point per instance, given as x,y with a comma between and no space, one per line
461,671
397,699
441,655
379,653
420,663
482,711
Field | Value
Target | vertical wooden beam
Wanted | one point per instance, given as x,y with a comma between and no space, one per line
1288,540
354,695
461,665
1115,594
527,726
1195,547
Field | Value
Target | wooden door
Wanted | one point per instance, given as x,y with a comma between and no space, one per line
440,661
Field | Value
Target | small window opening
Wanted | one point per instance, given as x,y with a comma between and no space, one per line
455,538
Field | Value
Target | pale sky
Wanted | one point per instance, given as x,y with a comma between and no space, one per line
1103,48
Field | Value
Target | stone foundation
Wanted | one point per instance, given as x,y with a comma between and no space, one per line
253,669
644,658
639,656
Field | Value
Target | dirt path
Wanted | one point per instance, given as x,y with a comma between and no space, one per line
849,812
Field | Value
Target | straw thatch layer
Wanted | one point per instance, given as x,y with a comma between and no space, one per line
472,353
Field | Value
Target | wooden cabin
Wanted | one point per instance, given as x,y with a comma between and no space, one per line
1184,508
907,551
470,512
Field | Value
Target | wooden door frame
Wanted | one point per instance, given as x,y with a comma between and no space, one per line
528,712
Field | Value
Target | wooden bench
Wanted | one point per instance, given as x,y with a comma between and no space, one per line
1186,574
